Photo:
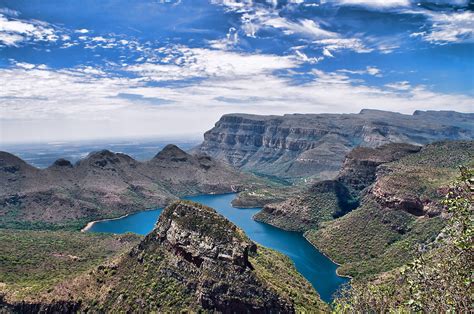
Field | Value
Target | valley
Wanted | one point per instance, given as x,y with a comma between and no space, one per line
236,156
106,185
276,235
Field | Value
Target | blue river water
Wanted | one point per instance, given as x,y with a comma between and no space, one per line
314,266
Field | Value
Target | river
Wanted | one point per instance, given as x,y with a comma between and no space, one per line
313,265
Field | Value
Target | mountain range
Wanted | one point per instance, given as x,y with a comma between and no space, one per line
295,146
366,189
106,185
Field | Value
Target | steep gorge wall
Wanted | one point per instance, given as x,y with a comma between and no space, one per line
303,145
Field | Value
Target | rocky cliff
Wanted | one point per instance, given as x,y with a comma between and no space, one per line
106,184
400,211
193,260
329,199
303,145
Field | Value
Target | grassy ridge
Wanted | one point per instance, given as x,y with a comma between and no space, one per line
281,275
31,262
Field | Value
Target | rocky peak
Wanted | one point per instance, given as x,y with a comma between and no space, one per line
202,236
210,257
107,159
10,163
172,153
62,163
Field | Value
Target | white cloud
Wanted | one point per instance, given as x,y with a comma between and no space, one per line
449,27
303,27
14,31
10,39
304,58
402,86
373,71
82,31
25,65
184,63
327,53
337,44
376,3
231,39
85,102
9,12
369,70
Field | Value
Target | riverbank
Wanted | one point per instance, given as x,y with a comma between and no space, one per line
90,224
329,258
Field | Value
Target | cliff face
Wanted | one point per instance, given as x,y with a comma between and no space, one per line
105,184
193,260
359,169
399,211
326,200
303,145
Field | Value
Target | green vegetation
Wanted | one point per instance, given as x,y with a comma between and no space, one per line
31,262
280,274
439,280
153,283
276,180
148,284
371,240
381,234
322,201
204,220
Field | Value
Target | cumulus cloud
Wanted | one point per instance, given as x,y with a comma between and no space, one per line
86,102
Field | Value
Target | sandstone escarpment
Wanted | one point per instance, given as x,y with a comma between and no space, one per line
417,183
360,165
399,212
303,145
326,200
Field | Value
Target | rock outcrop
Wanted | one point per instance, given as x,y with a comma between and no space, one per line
106,184
415,183
329,199
401,210
194,260
304,145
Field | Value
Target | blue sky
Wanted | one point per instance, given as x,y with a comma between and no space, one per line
92,69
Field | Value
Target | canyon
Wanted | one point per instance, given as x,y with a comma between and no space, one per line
302,146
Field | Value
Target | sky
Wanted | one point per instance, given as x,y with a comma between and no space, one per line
75,70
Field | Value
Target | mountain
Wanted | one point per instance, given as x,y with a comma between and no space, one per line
296,146
104,185
193,260
400,211
329,199
439,278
